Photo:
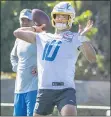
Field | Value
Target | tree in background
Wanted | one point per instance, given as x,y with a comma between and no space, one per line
85,10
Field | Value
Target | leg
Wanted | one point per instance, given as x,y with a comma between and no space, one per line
44,103
67,103
30,100
69,110
19,105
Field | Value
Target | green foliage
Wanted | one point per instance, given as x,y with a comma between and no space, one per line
91,33
51,3
84,17
78,3
100,33
100,60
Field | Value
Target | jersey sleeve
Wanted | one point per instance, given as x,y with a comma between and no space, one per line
76,42
37,37
83,39
40,36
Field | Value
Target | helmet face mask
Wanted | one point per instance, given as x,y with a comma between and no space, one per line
63,8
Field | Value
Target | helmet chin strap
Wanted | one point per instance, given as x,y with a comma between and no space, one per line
61,26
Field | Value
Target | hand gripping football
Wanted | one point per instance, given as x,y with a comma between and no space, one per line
40,17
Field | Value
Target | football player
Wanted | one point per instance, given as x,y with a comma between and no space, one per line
56,58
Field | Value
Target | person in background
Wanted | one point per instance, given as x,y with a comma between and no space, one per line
23,58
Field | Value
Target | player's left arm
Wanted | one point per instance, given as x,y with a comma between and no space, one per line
86,48
88,51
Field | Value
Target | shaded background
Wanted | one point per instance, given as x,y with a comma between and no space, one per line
98,11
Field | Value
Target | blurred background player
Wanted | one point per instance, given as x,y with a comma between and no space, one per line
57,56
24,61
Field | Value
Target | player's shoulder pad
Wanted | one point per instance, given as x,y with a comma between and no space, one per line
49,35
83,39
45,36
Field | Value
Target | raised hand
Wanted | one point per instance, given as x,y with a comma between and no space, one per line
86,29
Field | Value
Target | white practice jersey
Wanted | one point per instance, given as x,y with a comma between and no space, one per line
56,59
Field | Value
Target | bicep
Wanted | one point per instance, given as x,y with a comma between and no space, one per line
27,36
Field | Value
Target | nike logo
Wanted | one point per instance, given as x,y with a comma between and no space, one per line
71,100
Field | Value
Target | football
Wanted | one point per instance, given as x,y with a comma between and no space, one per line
40,17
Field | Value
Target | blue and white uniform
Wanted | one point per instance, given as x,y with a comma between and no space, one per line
57,56
56,59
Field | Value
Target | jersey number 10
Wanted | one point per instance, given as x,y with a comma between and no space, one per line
55,45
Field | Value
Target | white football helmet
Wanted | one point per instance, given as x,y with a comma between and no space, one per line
63,8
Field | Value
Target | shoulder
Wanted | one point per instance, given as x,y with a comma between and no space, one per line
83,39
77,36
77,43
45,36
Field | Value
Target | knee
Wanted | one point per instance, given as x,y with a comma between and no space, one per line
69,110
